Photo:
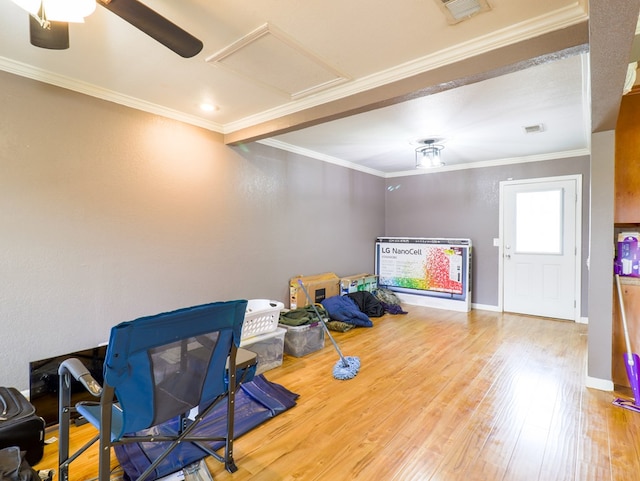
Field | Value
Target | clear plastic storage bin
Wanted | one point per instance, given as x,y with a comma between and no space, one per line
302,340
268,348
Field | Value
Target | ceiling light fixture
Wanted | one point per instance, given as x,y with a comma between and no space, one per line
46,11
428,156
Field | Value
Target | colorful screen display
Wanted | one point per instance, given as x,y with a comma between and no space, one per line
421,265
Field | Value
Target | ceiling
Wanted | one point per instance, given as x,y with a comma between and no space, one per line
478,123
354,83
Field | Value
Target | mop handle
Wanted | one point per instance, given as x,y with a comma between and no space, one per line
624,319
326,329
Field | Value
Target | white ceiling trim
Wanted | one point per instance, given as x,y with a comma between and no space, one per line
494,163
447,168
586,96
559,19
318,156
51,78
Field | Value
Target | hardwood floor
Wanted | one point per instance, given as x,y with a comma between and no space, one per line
440,396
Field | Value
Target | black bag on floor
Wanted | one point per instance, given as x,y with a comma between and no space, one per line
367,303
13,466
20,426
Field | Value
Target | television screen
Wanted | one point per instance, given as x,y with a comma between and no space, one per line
44,381
424,266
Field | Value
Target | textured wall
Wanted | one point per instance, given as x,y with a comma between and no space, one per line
601,283
109,213
465,204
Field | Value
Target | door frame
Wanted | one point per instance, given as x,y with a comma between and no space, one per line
578,236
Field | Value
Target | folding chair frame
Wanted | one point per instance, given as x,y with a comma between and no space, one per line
186,426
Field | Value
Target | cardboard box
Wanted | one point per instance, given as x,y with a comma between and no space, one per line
319,287
628,254
358,282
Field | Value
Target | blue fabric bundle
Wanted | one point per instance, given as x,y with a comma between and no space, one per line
343,308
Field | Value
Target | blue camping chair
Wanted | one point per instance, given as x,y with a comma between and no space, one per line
157,369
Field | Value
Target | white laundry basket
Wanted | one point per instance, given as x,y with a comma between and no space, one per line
261,316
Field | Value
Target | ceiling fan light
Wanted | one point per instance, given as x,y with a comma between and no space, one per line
68,10
54,37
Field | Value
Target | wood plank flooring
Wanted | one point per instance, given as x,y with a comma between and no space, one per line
441,396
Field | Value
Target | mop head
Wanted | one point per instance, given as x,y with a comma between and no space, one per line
347,369
625,403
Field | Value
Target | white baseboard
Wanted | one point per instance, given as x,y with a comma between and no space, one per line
485,307
599,384
435,302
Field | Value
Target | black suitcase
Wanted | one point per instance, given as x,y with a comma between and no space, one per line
20,426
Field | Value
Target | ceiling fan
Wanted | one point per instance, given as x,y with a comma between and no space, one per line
48,31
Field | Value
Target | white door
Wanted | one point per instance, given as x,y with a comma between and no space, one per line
539,247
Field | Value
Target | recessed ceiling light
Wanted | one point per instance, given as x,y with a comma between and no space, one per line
208,107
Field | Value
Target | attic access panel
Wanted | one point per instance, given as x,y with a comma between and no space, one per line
270,57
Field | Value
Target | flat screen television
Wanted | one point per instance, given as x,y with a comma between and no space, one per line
44,381
426,271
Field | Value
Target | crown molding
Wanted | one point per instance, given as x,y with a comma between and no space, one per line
446,168
318,156
494,163
29,71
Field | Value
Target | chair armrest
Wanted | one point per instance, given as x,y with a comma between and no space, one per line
244,358
246,365
80,373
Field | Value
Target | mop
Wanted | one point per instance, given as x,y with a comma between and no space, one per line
347,367
631,361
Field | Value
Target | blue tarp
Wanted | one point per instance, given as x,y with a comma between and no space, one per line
256,402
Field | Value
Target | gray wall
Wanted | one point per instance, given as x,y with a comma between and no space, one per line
108,213
465,204
601,293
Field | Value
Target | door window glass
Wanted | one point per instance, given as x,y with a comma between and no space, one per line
539,222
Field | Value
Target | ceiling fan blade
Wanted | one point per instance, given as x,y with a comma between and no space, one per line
155,25
54,37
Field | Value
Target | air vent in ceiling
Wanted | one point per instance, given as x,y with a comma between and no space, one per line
532,129
459,10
